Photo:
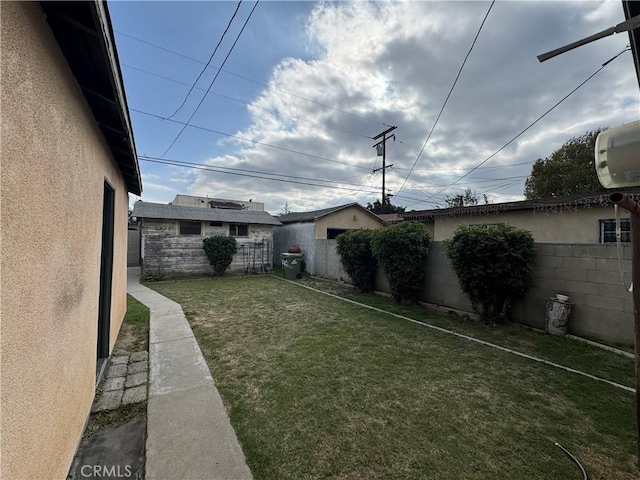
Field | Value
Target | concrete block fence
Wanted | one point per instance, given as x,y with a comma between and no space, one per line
588,274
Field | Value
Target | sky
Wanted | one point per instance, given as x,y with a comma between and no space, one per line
289,119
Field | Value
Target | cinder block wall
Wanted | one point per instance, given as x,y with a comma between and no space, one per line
588,274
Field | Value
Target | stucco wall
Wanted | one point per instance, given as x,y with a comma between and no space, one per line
572,226
351,218
301,235
163,247
52,150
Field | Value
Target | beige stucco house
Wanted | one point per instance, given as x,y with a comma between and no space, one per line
171,237
66,140
304,229
583,219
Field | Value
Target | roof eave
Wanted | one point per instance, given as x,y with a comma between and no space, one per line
88,24
544,204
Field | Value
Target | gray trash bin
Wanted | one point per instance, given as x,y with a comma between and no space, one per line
291,265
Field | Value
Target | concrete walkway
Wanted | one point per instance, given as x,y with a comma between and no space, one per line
189,435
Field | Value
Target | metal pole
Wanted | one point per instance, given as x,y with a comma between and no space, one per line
384,158
384,167
633,208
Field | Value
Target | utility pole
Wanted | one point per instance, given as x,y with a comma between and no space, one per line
633,208
382,150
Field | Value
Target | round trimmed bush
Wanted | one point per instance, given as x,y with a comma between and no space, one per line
493,264
220,251
401,249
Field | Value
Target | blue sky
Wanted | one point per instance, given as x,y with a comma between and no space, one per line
308,82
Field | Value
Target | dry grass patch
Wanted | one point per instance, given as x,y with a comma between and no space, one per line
318,388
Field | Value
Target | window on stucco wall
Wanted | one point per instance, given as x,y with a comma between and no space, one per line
239,230
608,230
332,233
190,228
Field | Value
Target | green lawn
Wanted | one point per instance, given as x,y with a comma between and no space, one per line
317,387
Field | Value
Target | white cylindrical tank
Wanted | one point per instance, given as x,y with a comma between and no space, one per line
618,156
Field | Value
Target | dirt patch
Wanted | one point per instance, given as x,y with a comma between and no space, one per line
127,342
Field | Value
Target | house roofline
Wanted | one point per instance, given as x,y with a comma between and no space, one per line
326,212
541,204
163,211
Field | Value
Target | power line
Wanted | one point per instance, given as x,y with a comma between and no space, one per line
428,195
449,94
438,172
532,124
275,112
218,132
214,78
412,183
149,158
360,192
488,192
195,166
485,180
210,59
240,173
257,82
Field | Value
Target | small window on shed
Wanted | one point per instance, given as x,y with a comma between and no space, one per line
190,228
239,230
215,224
332,233
608,230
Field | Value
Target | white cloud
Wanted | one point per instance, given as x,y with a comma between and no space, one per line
394,63
157,186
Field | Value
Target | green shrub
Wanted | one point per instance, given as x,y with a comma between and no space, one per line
153,274
493,265
220,251
354,248
401,249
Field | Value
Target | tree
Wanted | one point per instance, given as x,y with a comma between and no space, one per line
494,265
570,170
220,251
401,249
376,207
285,209
465,199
